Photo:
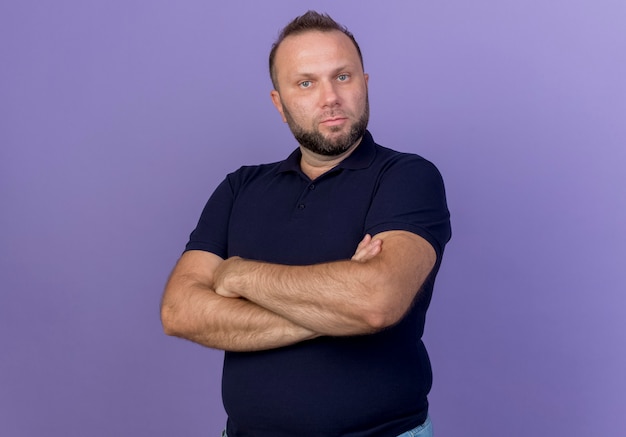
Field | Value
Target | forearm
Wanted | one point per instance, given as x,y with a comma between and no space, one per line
357,296
199,315
331,298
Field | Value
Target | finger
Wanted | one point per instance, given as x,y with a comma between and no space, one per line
358,253
367,254
364,242
368,251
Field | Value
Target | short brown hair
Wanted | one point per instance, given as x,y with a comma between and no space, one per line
311,21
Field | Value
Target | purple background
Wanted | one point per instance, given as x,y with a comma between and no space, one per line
119,118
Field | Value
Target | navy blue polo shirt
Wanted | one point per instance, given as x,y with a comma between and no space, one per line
370,385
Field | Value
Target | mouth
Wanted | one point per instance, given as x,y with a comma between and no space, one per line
333,121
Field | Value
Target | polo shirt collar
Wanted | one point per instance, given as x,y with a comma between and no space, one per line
362,157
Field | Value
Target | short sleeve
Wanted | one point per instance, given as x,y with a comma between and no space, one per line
410,196
211,233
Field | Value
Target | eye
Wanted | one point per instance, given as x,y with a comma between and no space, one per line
343,77
305,84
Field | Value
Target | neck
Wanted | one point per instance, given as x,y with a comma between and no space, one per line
314,165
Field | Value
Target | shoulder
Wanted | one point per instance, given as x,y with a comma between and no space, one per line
247,174
411,164
250,171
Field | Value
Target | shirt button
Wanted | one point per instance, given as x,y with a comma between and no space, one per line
312,187
301,206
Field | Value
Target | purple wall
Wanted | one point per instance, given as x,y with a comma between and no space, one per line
117,119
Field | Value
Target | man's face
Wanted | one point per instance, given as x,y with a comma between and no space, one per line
322,91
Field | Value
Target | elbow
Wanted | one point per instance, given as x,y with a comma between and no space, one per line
381,314
168,321
375,321
386,306
379,319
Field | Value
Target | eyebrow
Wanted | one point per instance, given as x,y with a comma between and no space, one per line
304,74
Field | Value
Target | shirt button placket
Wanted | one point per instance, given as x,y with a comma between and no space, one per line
302,205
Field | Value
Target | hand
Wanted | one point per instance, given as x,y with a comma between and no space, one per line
367,249
225,271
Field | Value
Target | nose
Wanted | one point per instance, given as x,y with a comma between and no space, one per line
328,94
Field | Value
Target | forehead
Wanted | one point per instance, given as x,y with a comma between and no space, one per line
315,49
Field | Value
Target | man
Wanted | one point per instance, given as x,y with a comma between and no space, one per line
314,274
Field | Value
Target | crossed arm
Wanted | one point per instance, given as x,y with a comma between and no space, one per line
243,305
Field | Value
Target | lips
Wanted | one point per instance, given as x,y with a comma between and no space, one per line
333,121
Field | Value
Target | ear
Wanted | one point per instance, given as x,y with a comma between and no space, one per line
367,78
278,104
